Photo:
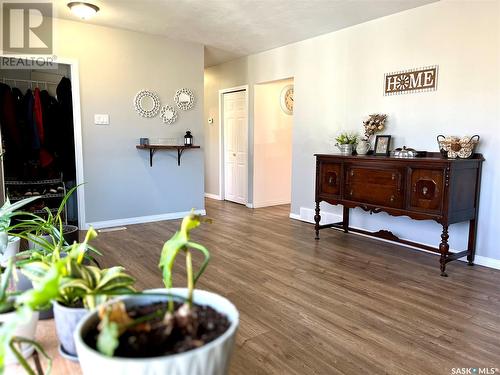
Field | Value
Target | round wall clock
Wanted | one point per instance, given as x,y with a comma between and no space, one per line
286,99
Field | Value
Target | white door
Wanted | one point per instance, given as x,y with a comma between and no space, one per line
235,147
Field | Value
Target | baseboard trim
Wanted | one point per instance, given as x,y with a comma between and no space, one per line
478,259
270,203
249,205
213,196
140,219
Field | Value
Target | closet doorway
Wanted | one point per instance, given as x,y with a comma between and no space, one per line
234,145
41,138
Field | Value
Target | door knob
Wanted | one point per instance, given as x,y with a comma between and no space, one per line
234,154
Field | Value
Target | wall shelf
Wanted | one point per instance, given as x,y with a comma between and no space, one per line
153,148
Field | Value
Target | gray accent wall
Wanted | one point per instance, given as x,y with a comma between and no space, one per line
114,65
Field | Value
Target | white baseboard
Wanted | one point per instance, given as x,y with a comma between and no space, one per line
213,196
307,215
140,219
270,203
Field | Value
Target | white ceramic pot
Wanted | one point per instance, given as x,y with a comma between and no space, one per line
26,331
66,319
210,359
11,250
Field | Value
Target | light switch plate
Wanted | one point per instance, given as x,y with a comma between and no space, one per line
101,119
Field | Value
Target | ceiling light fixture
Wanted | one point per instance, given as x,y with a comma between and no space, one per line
83,10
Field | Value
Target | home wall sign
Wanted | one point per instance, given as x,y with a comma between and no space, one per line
411,80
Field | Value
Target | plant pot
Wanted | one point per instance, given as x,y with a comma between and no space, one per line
23,330
210,359
66,319
345,149
70,234
11,250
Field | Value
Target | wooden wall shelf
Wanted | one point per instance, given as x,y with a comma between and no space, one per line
153,148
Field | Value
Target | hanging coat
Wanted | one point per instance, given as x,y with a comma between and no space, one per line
65,100
45,157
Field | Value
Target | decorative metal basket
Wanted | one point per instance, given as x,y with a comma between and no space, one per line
452,147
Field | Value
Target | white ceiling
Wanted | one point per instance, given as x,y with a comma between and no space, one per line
234,28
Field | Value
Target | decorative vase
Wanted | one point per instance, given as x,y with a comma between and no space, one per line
209,359
363,147
345,149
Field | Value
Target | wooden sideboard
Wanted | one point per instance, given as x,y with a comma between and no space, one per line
424,188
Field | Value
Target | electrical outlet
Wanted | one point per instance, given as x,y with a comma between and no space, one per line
101,119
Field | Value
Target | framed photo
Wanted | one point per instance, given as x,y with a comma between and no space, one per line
382,143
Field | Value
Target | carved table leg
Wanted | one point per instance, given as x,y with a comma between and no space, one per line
443,249
317,219
471,248
345,219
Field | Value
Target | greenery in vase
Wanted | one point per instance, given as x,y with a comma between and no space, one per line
347,139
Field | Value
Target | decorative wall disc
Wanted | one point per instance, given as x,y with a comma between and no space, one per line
147,103
184,98
168,114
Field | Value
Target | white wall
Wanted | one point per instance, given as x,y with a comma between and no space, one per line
338,82
114,65
272,165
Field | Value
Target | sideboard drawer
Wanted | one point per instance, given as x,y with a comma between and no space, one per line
377,186
426,190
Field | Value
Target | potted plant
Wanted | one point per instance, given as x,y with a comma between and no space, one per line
9,245
47,228
17,326
79,288
173,330
346,142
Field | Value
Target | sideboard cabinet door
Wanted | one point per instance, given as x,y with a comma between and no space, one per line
426,190
330,179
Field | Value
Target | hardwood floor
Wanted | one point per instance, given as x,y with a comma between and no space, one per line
342,305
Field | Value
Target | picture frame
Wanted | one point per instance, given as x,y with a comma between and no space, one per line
382,143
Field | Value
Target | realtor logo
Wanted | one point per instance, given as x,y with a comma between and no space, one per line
27,28
412,80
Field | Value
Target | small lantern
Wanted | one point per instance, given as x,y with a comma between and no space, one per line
188,139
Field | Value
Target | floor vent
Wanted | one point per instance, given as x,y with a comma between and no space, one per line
104,230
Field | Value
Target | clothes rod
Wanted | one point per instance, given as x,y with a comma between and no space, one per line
30,81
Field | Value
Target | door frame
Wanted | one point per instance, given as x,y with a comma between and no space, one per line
77,129
222,194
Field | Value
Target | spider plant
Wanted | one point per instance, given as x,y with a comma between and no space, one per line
7,211
50,225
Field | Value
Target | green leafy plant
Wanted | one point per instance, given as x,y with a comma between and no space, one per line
7,211
77,284
48,225
114,318
347,139
21,316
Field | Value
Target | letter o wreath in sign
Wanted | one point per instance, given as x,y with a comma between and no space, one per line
168,114
147,103
184,98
